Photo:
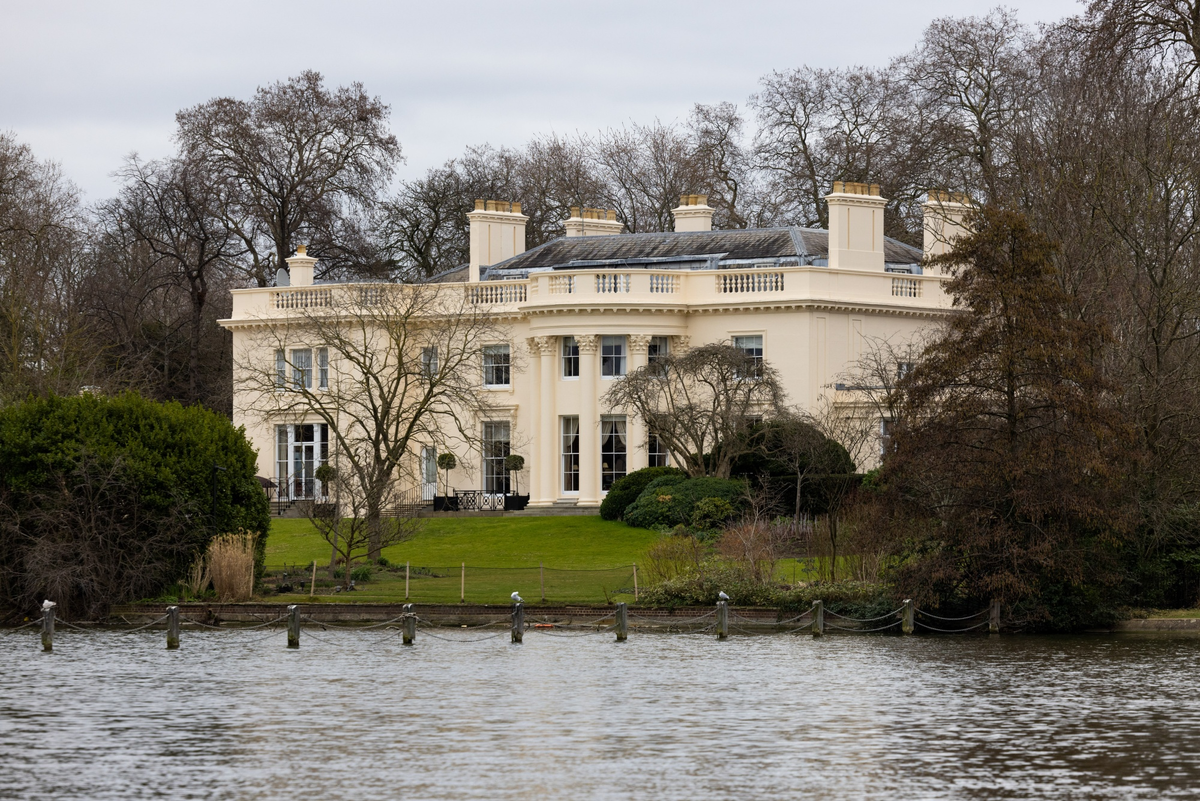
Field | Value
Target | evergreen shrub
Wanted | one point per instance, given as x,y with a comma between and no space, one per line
625,490
106,500
669,501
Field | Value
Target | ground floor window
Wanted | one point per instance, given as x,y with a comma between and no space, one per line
885,436
496,443
299,451
612,450
657,452
429,473
570,454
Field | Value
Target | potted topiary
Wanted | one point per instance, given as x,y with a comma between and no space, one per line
515,502
327,475
444,503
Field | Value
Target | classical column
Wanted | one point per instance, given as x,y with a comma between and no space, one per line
533,426
636,454
547,425
589,422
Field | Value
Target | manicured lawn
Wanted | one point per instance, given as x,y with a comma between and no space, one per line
586,559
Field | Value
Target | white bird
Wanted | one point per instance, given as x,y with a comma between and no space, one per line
517,599
48,605
722,596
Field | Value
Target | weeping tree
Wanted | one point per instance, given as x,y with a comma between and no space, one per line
702,404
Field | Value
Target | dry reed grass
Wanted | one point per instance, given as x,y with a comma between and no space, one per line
198,578
230,562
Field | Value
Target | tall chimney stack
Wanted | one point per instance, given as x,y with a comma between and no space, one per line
945,213
693,214
497,233
855,226
593,222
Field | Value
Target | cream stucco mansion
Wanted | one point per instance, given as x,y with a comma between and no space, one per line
585,309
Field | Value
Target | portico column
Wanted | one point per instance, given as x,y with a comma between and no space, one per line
636,454
589,422
547,425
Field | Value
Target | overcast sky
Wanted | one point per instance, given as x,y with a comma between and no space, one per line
86,83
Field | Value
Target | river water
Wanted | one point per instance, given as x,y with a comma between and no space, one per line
356,715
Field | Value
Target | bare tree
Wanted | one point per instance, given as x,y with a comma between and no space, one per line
173,207
44,342
702,403
388,367
1166,28
345,523
291,161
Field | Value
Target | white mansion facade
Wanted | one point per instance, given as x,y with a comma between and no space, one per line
583,310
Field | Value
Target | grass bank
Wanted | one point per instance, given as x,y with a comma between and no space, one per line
586,559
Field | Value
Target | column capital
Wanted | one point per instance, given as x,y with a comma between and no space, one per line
588,343
639,343
541,346
682,342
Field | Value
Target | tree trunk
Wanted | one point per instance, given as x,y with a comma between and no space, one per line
796,513
374,543
833,537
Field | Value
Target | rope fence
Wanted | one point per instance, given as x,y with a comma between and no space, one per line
907,617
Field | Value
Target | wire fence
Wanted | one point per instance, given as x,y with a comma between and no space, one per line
461,583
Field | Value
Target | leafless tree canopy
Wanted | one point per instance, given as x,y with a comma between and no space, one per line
701,404
294,165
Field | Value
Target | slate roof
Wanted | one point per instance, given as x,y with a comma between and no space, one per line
804,244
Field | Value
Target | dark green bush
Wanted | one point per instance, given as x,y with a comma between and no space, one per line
106,500
711,514
699,587
626,490
668,502
361,573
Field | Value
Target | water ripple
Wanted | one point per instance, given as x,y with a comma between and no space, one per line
354,715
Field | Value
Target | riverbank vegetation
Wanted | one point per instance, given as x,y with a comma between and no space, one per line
108,500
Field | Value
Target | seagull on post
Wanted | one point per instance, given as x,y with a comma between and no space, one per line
517,599
722,596
47,605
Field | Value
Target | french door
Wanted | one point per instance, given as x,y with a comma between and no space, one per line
300,450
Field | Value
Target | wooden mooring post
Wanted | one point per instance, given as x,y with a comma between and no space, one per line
518,622
722,619
47,628
622,622
818,621
994,618
172,628
293,626
312,588
635,587
409,626
908,621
